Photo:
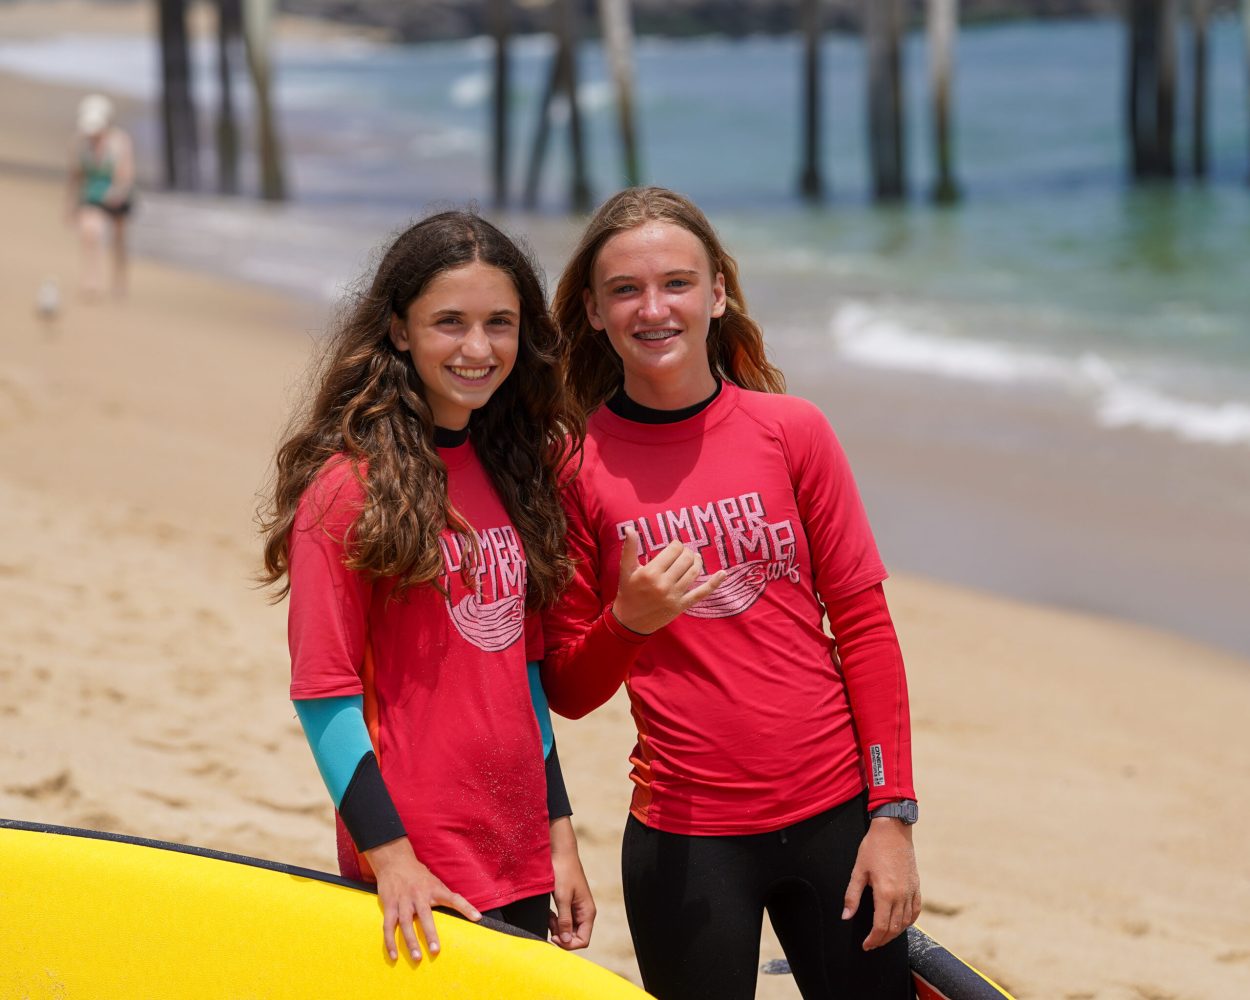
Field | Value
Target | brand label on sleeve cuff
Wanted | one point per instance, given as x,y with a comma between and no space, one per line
878,768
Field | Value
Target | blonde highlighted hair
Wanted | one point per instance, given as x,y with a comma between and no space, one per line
735,342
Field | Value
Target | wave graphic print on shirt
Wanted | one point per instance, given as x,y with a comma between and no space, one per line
733,534
489,610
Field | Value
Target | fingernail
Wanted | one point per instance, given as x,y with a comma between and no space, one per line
846,913
416,954
394,956
433,947
476,915
566,938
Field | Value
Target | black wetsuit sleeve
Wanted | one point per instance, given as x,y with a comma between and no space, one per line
557,795
367,809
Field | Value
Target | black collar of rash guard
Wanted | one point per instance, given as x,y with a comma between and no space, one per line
624,407
443,438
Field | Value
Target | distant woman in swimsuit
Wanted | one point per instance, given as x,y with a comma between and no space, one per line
101,193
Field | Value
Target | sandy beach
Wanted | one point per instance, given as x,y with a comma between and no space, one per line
1082,780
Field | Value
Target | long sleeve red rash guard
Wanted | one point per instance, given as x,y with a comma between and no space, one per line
749,718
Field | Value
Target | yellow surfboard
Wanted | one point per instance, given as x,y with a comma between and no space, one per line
92,916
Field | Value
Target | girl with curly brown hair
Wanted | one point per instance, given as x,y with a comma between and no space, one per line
415,524
715,524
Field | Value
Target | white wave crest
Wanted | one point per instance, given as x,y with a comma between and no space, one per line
591,97
470,90
124,65
537,46
447,142
869,336
1121,404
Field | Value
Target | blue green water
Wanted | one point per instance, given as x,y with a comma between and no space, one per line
1054,272
1046,390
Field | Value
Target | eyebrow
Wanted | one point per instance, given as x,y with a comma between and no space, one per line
451,311
667,274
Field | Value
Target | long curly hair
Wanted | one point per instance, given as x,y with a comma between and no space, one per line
370,405
735,342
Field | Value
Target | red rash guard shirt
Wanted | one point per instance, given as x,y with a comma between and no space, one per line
444,679
746,720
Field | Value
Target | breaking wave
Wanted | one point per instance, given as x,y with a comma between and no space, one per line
870,336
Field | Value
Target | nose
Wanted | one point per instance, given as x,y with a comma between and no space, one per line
652,308
476,343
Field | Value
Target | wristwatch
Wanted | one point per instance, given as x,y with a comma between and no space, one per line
904,809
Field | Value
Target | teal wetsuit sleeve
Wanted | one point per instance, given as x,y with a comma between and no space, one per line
557,794
339,739
336,731
541,711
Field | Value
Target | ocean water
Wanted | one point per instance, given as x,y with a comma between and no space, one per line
1045,390
1132,304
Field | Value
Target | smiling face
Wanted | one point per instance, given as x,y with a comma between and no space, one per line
462,333
654,295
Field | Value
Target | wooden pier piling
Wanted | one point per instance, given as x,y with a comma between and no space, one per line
883,27
542,129
181,137
1152,87
811,182
1199,12
562,79
229,42
257,33
616,20
570,35
943,25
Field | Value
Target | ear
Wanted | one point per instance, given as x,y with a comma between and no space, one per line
719,302
399,333
592,310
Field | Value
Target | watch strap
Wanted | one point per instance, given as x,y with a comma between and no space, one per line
904,809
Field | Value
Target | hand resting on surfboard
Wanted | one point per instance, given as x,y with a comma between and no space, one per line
409,891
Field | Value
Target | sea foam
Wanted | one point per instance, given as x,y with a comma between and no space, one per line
123,65
129,65
872,336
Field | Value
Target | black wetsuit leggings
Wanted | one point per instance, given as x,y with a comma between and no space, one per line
529,914
696,906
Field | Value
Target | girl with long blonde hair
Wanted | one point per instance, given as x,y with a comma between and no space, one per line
714,523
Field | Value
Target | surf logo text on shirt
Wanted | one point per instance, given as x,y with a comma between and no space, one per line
488,611
733,534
